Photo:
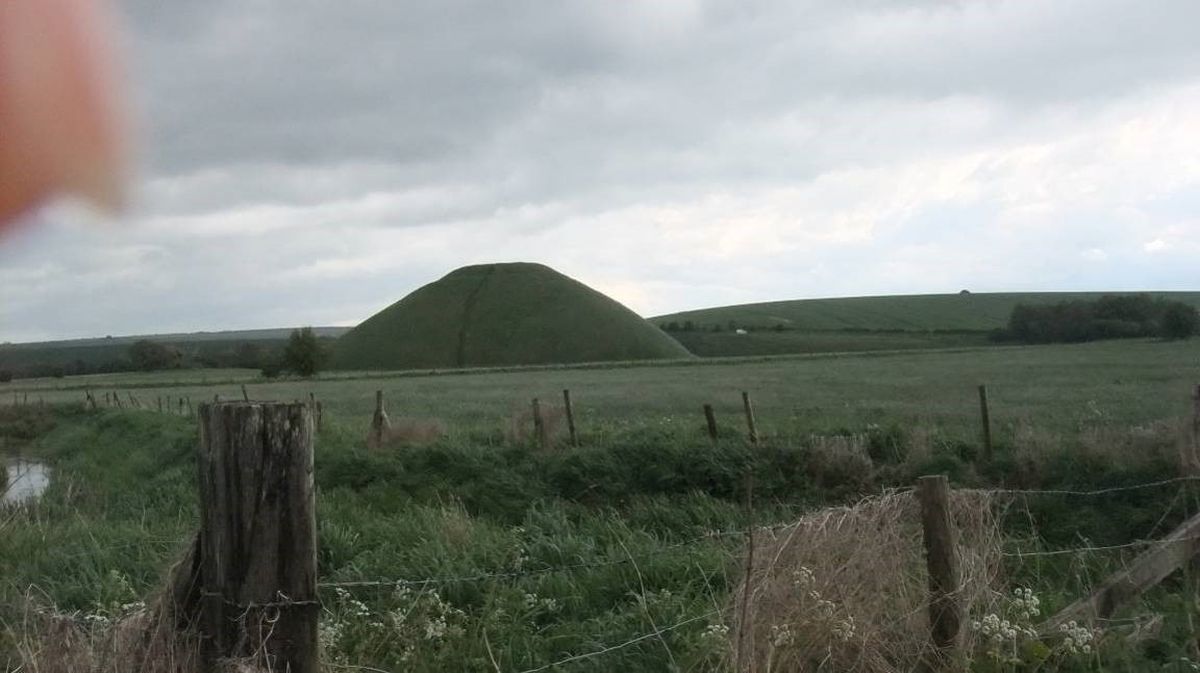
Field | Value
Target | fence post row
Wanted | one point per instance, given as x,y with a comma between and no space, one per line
258,542
539,425
751,427
1196,421
570,417
945,612
379,422
985,418
711,419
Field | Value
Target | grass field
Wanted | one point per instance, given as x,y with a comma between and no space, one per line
603,544
730,344
1055,387
975,312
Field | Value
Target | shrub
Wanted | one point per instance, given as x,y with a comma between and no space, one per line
303,354
1180,321
147,355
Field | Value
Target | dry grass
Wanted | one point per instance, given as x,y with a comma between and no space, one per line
521,426
846,590
840,460
408,432
47,641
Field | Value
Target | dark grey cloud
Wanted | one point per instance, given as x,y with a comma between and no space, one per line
310,161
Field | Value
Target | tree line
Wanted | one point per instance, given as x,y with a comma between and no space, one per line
1109,317
303,354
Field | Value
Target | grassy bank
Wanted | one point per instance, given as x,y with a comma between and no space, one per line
534,557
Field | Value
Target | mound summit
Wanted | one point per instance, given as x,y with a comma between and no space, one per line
502,314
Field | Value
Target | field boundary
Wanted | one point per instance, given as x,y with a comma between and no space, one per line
472,371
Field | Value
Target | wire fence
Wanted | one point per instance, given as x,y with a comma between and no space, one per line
184,406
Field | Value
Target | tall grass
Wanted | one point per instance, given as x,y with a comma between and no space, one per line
582,548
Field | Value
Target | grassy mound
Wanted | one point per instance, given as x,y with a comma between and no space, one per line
502,314
966,312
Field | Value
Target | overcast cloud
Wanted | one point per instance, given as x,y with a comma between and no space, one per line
310,162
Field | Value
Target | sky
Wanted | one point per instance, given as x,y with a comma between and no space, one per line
310,162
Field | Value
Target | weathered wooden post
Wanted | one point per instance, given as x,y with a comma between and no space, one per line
379,422
570,417
750,425
539,425
245,393
258,535
711,419
945,613
1196,423
985,417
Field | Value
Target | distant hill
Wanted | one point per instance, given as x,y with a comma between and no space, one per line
502,314
909,313
269,334
38,358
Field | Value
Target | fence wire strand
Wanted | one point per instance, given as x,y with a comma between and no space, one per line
1096,492
629,643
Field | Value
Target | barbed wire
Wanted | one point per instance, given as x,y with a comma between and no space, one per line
629,643
1113,547
1096,492
511,574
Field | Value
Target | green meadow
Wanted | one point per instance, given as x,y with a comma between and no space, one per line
487,553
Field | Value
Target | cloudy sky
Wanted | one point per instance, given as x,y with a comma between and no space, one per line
309,162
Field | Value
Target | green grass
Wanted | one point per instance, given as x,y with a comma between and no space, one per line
730,344
914,313
602,543
645,486
501,314
1054,387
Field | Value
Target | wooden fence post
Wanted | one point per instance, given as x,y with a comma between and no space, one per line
539,425
1196,423
986,419
945,613
570,417
711,419
750,425
379,422
258,533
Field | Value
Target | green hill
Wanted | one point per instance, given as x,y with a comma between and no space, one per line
502,314
910,313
